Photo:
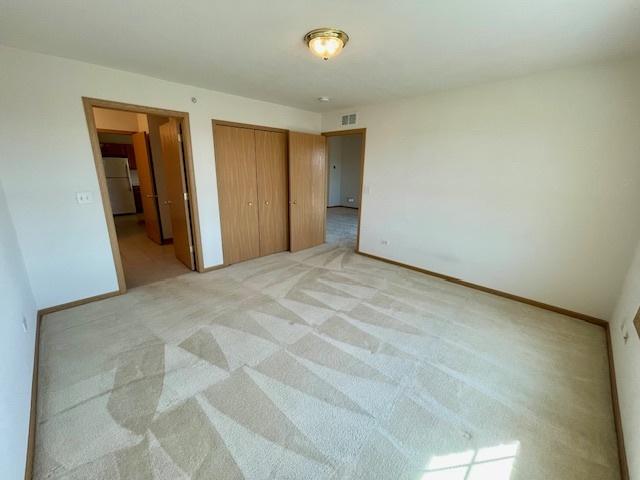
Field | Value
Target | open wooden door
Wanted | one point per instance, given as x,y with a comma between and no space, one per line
307,189
177,195
147,186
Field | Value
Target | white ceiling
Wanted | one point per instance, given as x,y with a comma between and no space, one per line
254,48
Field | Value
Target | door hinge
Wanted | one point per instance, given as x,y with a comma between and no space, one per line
186,196
179,138
190,248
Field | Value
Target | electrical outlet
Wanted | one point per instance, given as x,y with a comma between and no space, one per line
84,197
384,242
25,326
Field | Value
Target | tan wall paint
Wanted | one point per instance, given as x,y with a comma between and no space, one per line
116,120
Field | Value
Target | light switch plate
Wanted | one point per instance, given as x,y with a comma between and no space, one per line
84,197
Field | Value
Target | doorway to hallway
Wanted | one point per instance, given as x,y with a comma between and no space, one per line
345,164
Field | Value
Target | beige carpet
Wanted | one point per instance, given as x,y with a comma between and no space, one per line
321,365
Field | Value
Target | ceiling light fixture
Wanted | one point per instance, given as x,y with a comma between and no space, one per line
326,42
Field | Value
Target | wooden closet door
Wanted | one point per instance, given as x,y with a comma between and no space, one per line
271,161
307,189
237,192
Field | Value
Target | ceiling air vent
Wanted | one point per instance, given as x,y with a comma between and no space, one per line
348,119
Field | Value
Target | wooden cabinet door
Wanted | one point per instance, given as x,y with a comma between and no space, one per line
272,174
147,186
237,192
307,189
176,184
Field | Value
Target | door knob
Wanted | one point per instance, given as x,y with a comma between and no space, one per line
266,202
168,202
292,203
250,204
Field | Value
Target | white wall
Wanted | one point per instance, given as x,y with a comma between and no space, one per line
46,158
627,362
16,349
334,145
350,178
530,186
344,170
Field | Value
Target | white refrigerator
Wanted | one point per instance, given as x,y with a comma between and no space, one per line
119,185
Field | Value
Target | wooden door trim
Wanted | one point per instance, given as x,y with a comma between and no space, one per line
353,131
248,125
88,104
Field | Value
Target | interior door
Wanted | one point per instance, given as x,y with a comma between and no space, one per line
271,163
147,186
307,189
237,192
176,185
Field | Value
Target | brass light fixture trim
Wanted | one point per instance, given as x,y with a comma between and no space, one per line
326,42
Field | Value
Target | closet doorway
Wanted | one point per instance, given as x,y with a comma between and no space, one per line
271,189
143,161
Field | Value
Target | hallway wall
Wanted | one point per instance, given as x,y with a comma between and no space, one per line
344,170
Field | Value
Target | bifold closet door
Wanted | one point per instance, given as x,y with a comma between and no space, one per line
271,161
307,189
237,192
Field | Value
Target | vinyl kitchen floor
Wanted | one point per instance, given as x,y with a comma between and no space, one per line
143,260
